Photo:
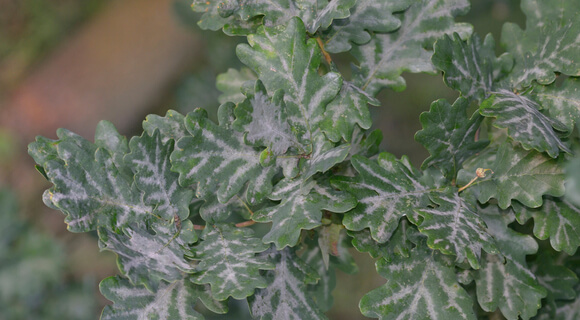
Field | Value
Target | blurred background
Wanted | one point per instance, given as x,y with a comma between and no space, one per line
72,63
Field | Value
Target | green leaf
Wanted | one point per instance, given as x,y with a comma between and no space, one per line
212,19
449,135
558,280
419,287
470,67
315,14
300,208
387,55
573,181
306,92
557,219
264,121
324,156
172,126
149,159
386,191
524,122
562,102
549,44
170,301
213,156
287,295
365,18
88,186
398,244
231,83
347,110
517,174
228,262
454,227
507,283
145,256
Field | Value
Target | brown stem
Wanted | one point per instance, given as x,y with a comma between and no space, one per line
198,227
245,224
324,53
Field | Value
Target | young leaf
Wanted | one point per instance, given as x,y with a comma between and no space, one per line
549,44
172,126
215,155
557,219
507,283
264,121
419,287
146,257
562,102
286,296
524,122
149,159
386,56
88,187
306,93
301,208
454,227
470,67
517,174
449,135
365,17
228,262
170,301
386,191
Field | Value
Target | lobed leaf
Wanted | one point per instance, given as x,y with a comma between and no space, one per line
419,287
454,227
506,282
228,262
286,297
562,102
213,156
89,187
550,43
387,55
524,122
386,191
172,126
306,92
366,17
557,219
517,174
449,135
147,257
170,301
300,208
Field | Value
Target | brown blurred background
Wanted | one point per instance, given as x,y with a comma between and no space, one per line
71,63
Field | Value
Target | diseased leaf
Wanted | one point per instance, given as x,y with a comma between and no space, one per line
418,287
449,135
562,102
315,14
215,159
324,156
306,92
149,159
506,282
517,174
365,17
387,55
228,262
470,67
88,187
549,44
170,301
147,257
557,219
524,122
347,110
286,297
264,121
398,244
172,126
212,19
231,83
454,227
300,208
386,191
